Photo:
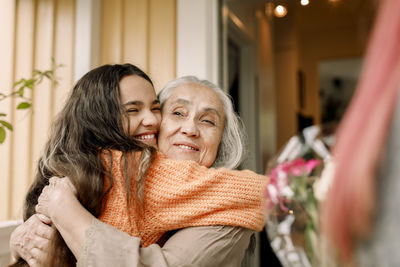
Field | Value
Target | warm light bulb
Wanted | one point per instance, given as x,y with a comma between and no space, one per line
280,11
304,2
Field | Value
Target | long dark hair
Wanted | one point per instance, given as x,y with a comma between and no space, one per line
91,122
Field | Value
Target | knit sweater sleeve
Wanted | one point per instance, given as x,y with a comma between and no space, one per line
180,194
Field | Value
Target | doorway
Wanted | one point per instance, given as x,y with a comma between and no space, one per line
337,82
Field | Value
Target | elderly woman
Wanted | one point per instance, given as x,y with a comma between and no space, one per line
198,125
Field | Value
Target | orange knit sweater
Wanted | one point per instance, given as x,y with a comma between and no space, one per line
181,194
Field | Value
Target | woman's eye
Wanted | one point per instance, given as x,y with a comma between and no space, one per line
131,110
156,109
209,122
177,113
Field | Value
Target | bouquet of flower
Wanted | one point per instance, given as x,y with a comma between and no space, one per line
293,194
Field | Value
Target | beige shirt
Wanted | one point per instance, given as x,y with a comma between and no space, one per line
195,246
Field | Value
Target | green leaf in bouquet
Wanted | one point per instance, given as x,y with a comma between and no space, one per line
311,240
7,125
3,114
2,134
312,210
299,187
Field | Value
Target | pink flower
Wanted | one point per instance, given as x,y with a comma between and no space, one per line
296,167
311,164
278,189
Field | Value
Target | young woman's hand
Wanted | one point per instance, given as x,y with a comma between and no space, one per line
55,196
31,240
58,201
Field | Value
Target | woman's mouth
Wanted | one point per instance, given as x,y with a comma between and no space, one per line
187,147
144,137
147,138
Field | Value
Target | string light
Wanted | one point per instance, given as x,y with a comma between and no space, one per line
304,2
280,11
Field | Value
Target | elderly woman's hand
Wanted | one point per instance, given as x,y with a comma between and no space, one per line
31,240
54,196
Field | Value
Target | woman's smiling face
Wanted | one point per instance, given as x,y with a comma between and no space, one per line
192,125
142,109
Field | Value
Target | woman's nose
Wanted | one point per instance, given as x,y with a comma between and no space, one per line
150,119
190,128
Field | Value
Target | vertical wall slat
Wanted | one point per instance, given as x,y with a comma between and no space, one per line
41,99
135,46
162,41
21,137
87,36
111,38
63,51
7,10
42,61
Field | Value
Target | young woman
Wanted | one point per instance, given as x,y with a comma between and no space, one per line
92,144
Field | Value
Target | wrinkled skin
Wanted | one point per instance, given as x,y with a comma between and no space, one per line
31,240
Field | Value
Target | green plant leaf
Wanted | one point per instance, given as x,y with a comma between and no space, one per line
29,83
311,240
312,211
7,125
2,135
19,82
24,105
48,74
36,72
3,114
21,91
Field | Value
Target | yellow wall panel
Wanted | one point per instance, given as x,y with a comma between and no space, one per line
42,93
162,42
138,31
135,32
63,51
111,32
22,137
141,32
44,29
7,9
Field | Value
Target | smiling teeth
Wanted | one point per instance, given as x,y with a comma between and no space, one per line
187,147
145,137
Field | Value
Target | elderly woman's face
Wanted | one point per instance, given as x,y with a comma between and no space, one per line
192,124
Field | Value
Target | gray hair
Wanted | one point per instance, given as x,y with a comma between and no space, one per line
232,147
